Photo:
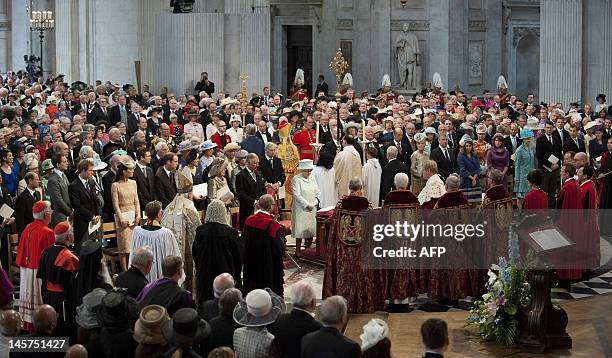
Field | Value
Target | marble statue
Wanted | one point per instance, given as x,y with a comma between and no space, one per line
407,55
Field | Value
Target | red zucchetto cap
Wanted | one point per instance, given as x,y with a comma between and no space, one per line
61,228
38,207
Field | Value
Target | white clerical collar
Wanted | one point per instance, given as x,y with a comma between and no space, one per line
568,179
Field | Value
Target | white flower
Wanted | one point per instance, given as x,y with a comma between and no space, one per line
492,277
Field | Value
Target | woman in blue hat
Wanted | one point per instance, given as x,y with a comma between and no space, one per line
524,162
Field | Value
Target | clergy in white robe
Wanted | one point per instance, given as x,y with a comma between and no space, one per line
347,165
371,175
325,176
160,240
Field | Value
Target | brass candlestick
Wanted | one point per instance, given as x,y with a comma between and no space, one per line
243,90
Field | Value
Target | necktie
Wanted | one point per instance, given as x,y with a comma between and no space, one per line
399,147
272,163
87,187
446,154
36,195
550,139
144,172
577,145
65,179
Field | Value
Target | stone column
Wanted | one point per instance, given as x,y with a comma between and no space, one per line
5,27
64,31
438,41
560,51
20,34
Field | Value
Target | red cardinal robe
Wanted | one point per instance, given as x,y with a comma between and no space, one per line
568,200
590,243
302,140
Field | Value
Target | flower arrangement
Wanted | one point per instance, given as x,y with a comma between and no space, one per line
497,315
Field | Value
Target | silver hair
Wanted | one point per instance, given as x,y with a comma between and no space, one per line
496,176
333,310
250,129
392,152
222,282
271,145
41,215
113,130
401,181
355,184
160,145
142,256
302,294
86,152
452,182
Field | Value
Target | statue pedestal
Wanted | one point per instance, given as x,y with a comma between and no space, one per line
408,93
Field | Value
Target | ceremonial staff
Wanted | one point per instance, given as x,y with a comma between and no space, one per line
339,66
243,92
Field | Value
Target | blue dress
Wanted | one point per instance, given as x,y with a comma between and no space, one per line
11,182
469,166
524,162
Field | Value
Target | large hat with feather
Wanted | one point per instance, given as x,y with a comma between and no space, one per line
501,82
437,81
299,77
386,81
348,79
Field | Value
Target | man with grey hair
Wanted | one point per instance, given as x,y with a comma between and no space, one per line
252,143
210,308
393,166
222,326
135,278
329,341
497,189
161,149
264,249
290,328
402,195
250,187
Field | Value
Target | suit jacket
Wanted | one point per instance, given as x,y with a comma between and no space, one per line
565,134
221,332
98,115
248,191
132,280
252,144
178,112
321,87
404,156
388,175
570,145
328,342
289,329
85,207
508,145
445,167
114,115
260,136
57,188
23,210
272,174
107,182
132,123
324,136
544,149
165,188
146,186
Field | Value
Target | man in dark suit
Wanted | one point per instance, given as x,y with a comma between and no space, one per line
445,158
404,150
223,325
321,87
512,143
251,143
329,341
262,132
560,129
25,201
249,186
271,167
290,328
120,112
547,145
82,192
135,278
108,210
434,333
144,177
209,309
393,167
57,188
172,108
324,129
100,113
572,143
165,185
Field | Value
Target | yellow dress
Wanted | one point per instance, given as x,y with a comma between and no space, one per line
125,199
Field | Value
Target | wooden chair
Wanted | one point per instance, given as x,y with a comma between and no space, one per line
110,252
13,244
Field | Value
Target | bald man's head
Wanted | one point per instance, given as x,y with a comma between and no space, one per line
222,282
45,320
76,351
580,159
10,321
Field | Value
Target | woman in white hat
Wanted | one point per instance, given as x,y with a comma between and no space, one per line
417,159
304,206
235,132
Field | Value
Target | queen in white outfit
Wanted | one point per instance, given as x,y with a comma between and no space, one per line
304,206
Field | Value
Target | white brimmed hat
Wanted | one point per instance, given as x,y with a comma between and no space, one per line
259,308
306,164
